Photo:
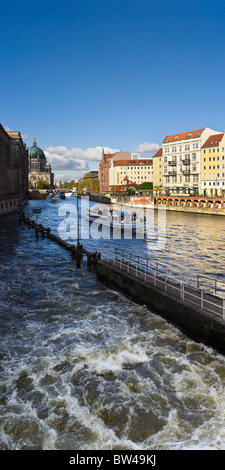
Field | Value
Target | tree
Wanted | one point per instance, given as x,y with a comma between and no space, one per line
146,185
41,184
89,183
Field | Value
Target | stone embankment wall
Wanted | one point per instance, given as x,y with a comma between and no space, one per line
9,205
194,205
99,198
195,210
200,325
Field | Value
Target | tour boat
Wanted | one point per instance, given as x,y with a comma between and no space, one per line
68,194
36,194
55,199
116,219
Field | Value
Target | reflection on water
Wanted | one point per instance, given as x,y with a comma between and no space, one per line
83,367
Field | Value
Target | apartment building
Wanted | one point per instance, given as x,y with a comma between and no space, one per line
157,171
213,166
130,172
106,167
182,160
121,169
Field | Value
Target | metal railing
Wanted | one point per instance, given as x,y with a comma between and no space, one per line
171,280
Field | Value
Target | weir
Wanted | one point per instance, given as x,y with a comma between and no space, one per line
198,312
194,308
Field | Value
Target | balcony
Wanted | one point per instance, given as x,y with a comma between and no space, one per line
172,162
186,171
172,172
186,161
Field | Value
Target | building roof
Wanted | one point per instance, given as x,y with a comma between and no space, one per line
158,153
36,152
183,136
143,161
213,140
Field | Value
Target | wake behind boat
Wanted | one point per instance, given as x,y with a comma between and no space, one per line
116,219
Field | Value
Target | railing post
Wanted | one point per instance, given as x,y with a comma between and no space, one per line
182,290
197,282
166,283
202,299
145,275
224,308
136,271
154,278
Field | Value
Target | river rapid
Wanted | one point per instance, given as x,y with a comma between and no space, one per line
83,367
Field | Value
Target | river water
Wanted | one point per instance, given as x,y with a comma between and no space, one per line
83,367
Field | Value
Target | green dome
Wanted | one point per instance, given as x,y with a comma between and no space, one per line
36,152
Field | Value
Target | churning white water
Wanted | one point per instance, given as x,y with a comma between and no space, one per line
83,367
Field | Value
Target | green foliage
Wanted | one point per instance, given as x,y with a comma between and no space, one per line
42,184
146,185
89,183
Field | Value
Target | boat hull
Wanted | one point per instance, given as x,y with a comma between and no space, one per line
115,224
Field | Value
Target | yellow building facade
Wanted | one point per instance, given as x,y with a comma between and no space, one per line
157,171
213,166
136,171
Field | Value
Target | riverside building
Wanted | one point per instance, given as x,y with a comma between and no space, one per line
213,166
13,171
124,169
182,161
130,172
157,172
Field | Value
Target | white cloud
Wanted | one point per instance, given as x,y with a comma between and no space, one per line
147,147
64,158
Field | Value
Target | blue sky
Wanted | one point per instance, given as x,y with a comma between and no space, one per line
79,75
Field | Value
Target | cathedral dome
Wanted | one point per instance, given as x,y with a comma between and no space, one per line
36,152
